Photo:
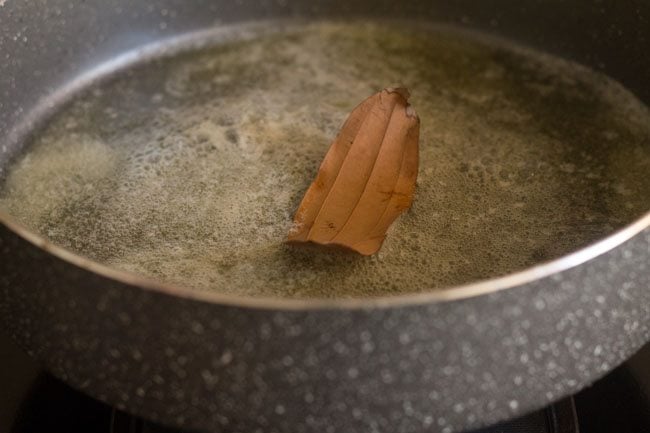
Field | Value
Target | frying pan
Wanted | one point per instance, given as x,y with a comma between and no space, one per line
441,361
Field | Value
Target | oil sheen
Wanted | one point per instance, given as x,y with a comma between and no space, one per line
188,168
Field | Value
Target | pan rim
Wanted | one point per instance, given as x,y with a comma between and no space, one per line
432,296
435,296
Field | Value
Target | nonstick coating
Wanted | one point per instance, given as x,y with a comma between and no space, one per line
447,361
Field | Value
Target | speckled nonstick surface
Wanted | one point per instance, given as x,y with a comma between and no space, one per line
445,361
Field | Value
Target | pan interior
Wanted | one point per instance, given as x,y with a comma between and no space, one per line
188,168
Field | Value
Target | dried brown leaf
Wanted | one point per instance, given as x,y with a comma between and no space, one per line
367,178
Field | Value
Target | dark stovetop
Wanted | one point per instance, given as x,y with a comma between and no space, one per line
32,401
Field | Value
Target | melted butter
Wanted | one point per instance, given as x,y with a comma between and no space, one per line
188,169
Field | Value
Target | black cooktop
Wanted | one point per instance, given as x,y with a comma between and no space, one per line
32,401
